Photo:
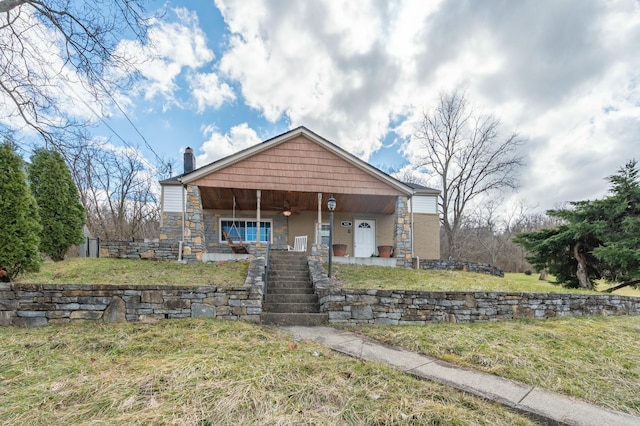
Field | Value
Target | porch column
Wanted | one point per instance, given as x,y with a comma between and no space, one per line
402,232
319,224
258,195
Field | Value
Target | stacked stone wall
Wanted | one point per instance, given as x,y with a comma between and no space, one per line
32,305
459,265
397,307
162,250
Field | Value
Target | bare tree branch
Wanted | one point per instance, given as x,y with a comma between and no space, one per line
49,50
465,150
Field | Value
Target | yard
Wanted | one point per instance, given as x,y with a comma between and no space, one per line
217,372
211,372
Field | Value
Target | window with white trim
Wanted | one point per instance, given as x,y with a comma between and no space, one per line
246,229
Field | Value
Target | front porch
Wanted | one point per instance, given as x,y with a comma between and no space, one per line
361,222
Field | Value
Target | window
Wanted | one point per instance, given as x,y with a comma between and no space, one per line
324,233
246,229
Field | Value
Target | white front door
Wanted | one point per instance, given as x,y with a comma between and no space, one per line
364,240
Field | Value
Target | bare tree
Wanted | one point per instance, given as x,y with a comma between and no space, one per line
469,156
407,175
51,49
118,189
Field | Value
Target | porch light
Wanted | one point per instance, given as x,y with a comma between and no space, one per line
331,205
286,213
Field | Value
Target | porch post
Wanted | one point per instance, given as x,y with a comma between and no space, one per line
258,195
402,232
319,224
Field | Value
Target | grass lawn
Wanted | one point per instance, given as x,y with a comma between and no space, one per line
592,358
126,271
215,372
211,372
377,277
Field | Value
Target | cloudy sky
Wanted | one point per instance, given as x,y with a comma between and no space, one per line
564,74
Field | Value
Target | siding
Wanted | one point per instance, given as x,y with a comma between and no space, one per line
172,198
426,236
425,204
297,165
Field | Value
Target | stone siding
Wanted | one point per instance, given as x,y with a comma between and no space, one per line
194,236
459,265
402,233
30,305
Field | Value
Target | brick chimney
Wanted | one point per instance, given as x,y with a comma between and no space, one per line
189,160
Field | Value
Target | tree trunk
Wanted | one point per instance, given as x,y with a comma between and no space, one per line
581,271
623,285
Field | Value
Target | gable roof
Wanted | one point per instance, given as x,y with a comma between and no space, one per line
199,175
295,133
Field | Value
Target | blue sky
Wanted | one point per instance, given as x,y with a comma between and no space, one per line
229,74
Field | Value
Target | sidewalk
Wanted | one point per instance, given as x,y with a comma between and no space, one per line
549,407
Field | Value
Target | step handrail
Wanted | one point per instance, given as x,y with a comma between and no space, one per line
265,277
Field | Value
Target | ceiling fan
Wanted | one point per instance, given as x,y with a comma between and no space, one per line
287,209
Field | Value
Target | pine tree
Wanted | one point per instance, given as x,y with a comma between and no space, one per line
19,218
598,240
61,212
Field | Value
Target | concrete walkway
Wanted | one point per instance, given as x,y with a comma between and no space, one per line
549,407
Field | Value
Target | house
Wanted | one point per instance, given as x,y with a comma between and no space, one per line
278,189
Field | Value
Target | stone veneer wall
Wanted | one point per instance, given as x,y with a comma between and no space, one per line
357,306
163,250
194,235
459,265
31,305
402,233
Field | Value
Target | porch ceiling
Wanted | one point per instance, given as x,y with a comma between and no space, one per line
246,199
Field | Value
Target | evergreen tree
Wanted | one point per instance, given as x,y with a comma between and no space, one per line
598,240
19,218
61,212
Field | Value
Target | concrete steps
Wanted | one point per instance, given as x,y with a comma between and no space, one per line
298,319
290,298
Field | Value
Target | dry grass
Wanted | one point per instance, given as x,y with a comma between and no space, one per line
377,277
136,272
593,358
211,372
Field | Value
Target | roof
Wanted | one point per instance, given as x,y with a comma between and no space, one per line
406,188
421,189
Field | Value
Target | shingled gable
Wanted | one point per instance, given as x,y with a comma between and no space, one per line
298,160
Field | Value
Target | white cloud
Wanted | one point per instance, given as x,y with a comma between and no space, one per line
221,145
322,65
566,75
208,90
173,47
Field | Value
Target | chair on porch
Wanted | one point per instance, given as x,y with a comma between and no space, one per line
235,246
299,244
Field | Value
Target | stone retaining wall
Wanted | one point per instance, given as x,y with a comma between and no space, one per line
354,306
357,306
162,250
458,265
32,305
